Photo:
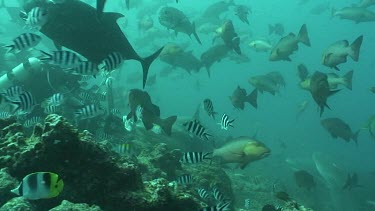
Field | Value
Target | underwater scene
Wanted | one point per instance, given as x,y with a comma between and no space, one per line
191,105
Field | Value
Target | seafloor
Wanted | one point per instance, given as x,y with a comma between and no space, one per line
97,178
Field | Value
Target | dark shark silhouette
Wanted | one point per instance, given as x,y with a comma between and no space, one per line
92,33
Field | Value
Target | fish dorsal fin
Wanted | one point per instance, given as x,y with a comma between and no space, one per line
111,17
343,43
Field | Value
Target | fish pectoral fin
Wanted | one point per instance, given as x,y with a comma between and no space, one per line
243,165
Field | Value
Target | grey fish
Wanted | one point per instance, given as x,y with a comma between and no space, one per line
277,28
91,37
366,3
242,12
356,14
338,52
214,11
288,44
213,55
269,82
229,36
319,89
177,57
176,20
239,97
338,128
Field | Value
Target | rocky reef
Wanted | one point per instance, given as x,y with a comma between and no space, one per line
93,174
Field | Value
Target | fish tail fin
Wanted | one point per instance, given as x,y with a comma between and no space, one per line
334,92
127,4
236,45
195,34
146,62
333,12
48,56
100,7
303,36
208,70
167,124
213,114
252,98
355,47
271,29
355,137
348,79
11,48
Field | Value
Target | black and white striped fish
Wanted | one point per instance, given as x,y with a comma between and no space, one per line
116,112
195,157
24,41
218,195
25,102
101,96
112,61
87,68
32,121
226,122
223,206
4,115
64,59
195,128
85,96
36,17
203,193
14,91
185,179
56,99
209,108
50,109
88,112
247,204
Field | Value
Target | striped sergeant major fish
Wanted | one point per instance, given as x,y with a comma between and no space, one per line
112,61
23,42
88,112
195,157
209,108
218,195
4,115
87,68
223,206
33,121
13,92
56,99
24,102
203,193
37,17
185,179
50,109
196,129
226,122
63,59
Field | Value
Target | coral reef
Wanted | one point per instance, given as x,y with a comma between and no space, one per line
66,205
17,204
92,173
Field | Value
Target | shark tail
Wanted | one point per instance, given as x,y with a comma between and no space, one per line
355,47
146,62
